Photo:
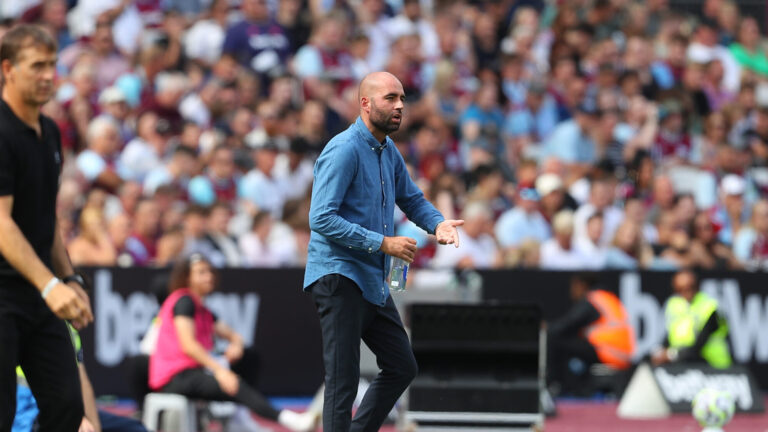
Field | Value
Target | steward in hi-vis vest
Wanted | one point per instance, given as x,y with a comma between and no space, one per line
595,330
696,332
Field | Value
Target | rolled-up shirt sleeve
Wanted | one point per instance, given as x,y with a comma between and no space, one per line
334,171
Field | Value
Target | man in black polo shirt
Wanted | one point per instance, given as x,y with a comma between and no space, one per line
33,300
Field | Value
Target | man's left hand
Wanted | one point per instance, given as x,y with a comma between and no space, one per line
84,296
446,232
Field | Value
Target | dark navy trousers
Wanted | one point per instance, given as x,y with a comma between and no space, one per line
345,319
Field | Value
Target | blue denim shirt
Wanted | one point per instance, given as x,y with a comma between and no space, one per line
358,181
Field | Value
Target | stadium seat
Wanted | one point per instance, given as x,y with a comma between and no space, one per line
180,413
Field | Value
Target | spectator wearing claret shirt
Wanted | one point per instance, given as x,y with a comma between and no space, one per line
324,65
109,62
673,144
141,244
220,182
82,106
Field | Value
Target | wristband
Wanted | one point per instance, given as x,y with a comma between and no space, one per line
49,286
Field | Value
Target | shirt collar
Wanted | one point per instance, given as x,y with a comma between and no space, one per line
369,139
18,123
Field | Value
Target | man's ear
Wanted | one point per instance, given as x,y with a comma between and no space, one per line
365,103
5,70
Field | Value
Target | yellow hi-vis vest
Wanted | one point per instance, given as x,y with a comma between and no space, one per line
686,320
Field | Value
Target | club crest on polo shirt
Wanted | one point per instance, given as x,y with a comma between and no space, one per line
57,157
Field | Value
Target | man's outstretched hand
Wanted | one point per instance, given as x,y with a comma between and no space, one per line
446,232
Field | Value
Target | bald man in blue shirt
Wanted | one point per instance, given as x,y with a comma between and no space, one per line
359,177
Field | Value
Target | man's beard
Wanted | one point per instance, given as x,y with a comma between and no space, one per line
382,121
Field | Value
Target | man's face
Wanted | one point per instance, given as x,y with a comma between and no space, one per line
108,142
684,285
223,164
255,10
386,109
32,74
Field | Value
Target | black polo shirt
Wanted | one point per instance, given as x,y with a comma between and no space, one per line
29,170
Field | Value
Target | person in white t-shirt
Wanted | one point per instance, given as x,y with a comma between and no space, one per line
559,253
601,195
96,163
478,247
589,246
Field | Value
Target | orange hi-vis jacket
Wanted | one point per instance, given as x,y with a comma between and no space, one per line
611,335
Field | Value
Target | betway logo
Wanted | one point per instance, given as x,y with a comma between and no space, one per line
747,318
120,323
683,387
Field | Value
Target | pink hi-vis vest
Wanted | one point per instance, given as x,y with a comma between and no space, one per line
168,358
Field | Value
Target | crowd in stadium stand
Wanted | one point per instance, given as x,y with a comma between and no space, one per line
572,134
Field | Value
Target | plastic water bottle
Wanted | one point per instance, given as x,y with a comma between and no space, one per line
398,274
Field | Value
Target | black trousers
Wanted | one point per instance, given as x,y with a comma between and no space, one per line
34,338
561,351
346,318
200,384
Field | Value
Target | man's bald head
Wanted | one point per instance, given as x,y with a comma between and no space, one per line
375,82
382,100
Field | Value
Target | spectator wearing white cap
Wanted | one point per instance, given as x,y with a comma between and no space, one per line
553,196
559,253
730,211
113,103
478,248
